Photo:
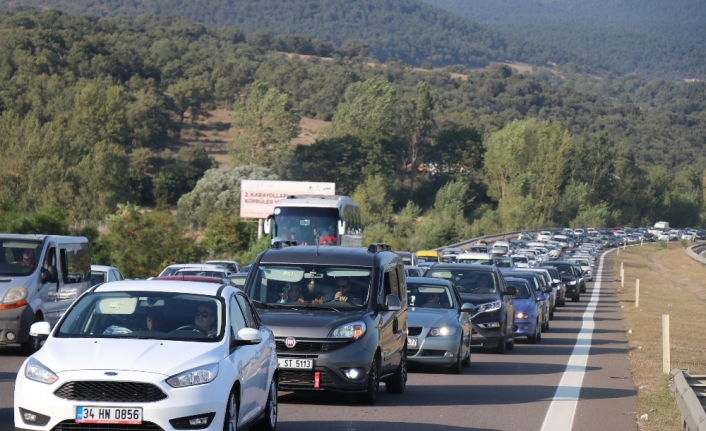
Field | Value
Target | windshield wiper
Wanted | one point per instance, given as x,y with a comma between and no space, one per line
264,304
309,306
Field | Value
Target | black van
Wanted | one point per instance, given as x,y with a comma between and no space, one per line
339,315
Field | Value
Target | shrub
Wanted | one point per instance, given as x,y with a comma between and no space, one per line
663,244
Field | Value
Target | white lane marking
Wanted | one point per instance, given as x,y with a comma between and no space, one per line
560,416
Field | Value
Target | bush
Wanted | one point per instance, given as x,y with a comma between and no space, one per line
683,242
663,244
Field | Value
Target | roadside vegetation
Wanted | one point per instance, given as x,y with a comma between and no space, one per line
670,283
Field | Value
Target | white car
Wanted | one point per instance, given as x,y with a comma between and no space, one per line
152,355
689,236
172,269
664,236
105,274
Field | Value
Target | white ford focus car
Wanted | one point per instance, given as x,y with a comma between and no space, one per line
152,355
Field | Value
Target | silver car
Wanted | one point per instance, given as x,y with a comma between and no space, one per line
439,325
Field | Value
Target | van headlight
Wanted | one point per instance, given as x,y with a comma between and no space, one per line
15,294
352,330
36,371
195,376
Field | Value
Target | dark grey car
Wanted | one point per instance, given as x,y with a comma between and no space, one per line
339,315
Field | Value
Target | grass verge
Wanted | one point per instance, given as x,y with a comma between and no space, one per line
670,283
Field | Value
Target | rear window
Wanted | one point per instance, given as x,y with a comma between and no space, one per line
468,280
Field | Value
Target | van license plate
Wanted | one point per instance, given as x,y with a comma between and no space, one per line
411,342
109,415
297,364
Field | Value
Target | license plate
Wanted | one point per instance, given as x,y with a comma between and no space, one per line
411,342
109,415
299,364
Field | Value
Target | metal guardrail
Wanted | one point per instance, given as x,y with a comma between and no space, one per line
489,238
690,393
693,252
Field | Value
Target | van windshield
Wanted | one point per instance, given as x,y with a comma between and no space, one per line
470,281
19,257
311,286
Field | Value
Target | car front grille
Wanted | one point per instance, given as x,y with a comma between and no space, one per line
312,346
70,425
303,378
116,392
414,331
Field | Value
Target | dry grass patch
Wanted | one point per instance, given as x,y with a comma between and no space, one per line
669,281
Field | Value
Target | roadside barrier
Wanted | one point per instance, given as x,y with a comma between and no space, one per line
490,238
693,252
690,394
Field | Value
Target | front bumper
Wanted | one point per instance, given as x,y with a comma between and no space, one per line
15,321
179,403
434,350
525,327
329,365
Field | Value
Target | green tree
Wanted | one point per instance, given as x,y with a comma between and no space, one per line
421,128
227,234
264,126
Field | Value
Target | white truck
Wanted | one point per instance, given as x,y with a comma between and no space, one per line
659,227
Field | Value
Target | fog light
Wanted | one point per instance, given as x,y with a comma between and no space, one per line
33,418
353,373
10,336
198,421
525,327
448,354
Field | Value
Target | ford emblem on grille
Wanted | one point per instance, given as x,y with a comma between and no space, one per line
290,342
110,373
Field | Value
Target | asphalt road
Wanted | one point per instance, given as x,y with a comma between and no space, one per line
576,378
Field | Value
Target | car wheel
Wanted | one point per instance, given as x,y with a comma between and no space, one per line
532,339
398,382
269,422
551,315
546,326
32,344
511,343
575,298
230,422
370,396
467,360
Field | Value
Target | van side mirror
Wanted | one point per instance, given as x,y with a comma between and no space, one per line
267,226
392,303
341,227
49,275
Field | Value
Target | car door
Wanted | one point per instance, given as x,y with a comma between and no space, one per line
244,361
388,321
261,357
509,306
74,275
464,320
48,290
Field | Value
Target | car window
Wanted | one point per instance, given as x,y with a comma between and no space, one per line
171,316
523,290
430,296
470,281
237,319
250,315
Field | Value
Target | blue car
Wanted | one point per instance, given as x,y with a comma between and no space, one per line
528,310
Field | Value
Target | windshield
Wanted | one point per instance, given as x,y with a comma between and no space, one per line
523,291
158,315
563,269
201,272
468,280
307,226
427,258
477,261
98,277
315,286
19,257
429,296
503,263
519,259
478,249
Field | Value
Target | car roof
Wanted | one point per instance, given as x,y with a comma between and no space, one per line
195,265
466,266
216,269
328,255
428,280
176,286
103,268
197,278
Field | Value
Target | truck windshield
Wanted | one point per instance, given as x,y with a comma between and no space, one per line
307,226
19,257
311,286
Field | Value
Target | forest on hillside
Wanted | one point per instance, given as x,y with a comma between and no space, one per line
92,110
653,38
408,30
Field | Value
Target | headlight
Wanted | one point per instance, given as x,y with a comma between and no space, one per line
572,282
521,315
36,371
352,330
15,294
491,306
442,331
193,377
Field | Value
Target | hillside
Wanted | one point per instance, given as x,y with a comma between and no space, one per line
409,30
652,38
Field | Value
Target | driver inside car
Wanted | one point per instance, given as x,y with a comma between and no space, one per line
433,300
343,292
205,319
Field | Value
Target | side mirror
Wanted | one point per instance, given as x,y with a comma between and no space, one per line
393,303
40,329
510,290
548,290
49,275
267,226
248,336
468,307
341,227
